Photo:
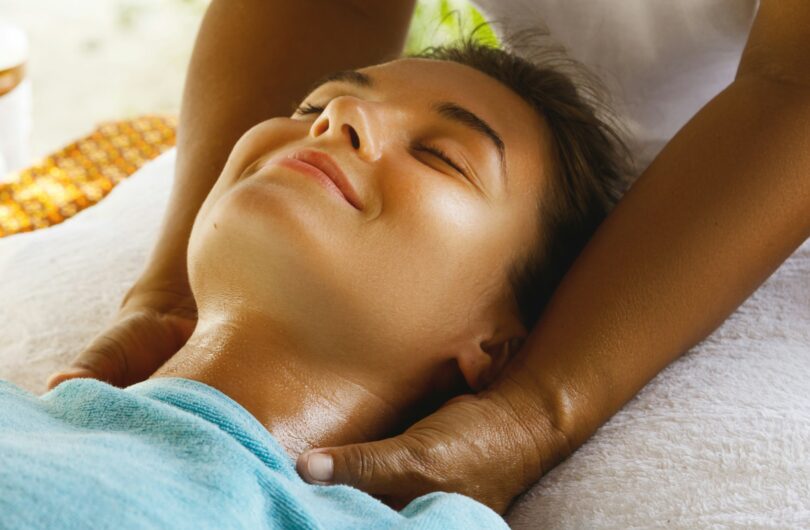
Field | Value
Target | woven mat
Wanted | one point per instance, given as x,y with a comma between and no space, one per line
81,174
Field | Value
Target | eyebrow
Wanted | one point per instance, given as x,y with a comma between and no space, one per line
459,114
349,76
447,109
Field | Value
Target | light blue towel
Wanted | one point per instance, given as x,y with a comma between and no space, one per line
175,453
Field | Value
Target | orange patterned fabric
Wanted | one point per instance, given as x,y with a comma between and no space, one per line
82,173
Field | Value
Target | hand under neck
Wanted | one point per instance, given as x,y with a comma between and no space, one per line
302,402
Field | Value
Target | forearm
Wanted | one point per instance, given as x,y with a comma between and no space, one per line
252,60
720,208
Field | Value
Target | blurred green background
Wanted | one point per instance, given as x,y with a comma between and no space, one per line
439,21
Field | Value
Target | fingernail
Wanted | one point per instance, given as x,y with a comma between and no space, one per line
61,376
319,466
76,372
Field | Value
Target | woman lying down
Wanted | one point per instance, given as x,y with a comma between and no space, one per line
355,265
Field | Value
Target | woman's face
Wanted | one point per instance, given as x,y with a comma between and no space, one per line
415,273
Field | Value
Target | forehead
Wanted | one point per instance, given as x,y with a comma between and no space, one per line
433,80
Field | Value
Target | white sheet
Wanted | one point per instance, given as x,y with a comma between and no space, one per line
721,438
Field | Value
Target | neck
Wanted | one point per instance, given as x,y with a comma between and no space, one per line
296,395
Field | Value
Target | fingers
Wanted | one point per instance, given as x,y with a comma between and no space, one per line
103,359
392,466
130,349
59,377
471,445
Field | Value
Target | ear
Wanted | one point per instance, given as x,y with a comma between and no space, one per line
497,336
480,364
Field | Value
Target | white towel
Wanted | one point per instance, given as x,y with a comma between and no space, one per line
721,438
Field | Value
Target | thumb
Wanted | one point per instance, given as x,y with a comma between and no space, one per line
70,373
392,466
103,359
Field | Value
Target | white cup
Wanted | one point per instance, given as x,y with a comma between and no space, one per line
15,100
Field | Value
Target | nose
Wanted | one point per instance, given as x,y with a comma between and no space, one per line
346,118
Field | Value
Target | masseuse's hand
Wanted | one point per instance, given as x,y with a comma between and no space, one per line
482,446
152,323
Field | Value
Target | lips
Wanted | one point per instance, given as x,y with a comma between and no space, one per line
325,163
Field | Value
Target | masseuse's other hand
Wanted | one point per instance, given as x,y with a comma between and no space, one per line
152,323
481,446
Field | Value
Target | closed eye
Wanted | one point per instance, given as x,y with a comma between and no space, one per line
307,108
435,151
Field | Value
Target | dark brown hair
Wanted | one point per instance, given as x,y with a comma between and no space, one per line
592,166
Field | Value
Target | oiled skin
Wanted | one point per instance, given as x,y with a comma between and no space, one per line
720,208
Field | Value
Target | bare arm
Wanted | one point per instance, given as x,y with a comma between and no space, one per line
720,208
251,61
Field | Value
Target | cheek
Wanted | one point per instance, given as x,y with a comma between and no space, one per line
455,210
456,222
436,207
260,141
430,253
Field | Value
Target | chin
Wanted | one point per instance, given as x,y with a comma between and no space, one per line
242,258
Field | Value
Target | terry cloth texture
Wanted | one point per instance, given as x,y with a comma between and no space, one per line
175,453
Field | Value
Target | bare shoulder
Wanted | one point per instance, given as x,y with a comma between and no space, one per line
778,46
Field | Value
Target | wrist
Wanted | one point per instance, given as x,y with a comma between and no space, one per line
167,280
541,419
